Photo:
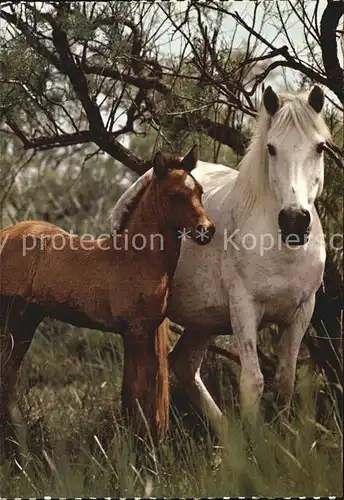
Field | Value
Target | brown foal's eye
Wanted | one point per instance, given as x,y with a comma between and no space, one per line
176,196
320,147
272,150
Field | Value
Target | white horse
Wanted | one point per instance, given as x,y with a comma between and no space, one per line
266,261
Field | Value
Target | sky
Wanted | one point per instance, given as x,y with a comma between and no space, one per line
246,8
269,29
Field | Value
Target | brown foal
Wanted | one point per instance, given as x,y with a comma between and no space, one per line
117,284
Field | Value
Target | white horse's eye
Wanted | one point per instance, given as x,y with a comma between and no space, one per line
272,150
320,147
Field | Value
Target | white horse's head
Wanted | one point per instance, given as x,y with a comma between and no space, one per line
295,141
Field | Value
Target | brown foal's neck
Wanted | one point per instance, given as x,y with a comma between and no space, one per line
149,218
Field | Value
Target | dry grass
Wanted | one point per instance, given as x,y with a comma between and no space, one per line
78,445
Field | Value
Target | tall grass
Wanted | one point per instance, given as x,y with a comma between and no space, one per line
78,445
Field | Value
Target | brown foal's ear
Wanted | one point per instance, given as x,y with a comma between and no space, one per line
160,165
271,101
316,98
190,160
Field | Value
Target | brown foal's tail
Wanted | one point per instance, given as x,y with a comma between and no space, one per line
162,384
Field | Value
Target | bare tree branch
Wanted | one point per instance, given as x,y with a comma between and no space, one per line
217,111
147,83
328,25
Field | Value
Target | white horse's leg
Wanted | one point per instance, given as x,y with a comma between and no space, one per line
287,353
185,361
245,319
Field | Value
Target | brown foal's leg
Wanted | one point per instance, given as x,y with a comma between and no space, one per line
15,340
139,377
11,357
6,347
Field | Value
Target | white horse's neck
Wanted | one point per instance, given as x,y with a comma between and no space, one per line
251,190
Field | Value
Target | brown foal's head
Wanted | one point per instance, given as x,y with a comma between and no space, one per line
180,196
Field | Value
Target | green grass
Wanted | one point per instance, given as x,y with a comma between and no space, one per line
78,444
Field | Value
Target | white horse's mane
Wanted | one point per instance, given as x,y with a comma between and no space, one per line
126,201
252,181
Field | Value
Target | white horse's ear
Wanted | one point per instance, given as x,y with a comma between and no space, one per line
190,160
160,165
316,98
271,101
